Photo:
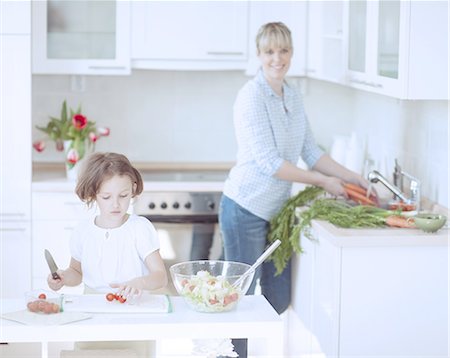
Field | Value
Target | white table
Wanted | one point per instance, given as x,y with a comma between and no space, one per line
254,317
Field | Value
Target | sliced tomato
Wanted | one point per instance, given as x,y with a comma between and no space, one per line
42,296
110,297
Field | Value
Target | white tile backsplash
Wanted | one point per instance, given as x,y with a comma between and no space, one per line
181,116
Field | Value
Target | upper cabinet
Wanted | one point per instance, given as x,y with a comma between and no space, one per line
189,35
291,13
326,42
398,48
395,48
81,37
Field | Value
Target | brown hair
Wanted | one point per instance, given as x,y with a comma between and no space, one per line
100,167
273,34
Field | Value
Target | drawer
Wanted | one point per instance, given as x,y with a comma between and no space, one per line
59,206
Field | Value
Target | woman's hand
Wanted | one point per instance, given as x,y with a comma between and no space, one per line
334,186
57,284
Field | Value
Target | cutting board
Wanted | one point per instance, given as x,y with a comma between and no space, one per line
97,303
33,318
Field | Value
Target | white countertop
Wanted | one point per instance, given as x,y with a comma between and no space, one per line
379,236
56,181
253,317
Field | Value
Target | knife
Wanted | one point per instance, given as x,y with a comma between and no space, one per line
51,264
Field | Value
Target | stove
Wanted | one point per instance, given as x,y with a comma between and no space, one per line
181,205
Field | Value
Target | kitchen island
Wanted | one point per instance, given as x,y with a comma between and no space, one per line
253,318
371,293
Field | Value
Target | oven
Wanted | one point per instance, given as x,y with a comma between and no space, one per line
183,207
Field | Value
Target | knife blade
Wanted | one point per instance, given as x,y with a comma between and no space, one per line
51,265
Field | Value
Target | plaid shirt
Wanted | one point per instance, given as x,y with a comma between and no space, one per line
268,132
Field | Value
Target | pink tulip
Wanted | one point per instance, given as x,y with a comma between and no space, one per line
93,137
79,121
72,156
103,131
59,145
39,145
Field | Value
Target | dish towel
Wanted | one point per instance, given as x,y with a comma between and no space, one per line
212,348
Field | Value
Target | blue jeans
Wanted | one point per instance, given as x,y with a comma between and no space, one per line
244,238
202,241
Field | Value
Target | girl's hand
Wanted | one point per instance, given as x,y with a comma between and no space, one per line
128,289
55,285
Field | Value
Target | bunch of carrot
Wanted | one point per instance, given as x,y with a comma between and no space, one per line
359,195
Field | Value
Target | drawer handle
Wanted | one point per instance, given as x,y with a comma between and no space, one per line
12,214
107,68
14,229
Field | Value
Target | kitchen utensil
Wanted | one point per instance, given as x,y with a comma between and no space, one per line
259,261
51,264
206,285
428,222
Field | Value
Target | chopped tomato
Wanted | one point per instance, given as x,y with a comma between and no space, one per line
110,297
122,299
42,296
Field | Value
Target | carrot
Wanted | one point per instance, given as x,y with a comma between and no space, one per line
398,221
359,198
356,188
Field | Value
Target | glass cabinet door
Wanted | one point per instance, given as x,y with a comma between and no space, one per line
81,37
357,23
388,38
91,34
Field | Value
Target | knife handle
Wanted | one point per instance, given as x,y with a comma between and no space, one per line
56,276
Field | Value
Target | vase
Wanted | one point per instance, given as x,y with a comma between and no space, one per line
72,170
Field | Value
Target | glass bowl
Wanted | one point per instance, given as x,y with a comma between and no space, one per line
207,285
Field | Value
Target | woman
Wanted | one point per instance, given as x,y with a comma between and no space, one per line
272,133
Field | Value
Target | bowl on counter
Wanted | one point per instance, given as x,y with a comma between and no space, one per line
43,301
428,222
208,285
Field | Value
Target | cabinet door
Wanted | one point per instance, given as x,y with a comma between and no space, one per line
15,133
177,35
15,260
81,37
15,17
293,15
326,46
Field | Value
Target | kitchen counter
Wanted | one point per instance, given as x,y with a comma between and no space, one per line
204,178
253,318
377,237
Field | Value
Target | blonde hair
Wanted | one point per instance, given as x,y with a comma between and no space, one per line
102,166
275,35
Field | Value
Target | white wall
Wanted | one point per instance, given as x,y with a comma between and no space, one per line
170,116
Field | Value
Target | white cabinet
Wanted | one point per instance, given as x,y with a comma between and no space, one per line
81,37
189,35
370,299
15,258
398,48
15,143
291,13
55,215
15,17
15,148
326,42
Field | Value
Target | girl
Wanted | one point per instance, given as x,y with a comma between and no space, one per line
114,249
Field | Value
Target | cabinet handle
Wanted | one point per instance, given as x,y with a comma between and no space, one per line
365,83
224,53
16,229
310,70
67,228
107,68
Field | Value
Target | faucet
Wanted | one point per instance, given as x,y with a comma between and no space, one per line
374,176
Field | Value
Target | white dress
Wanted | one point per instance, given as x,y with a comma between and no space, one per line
113,255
